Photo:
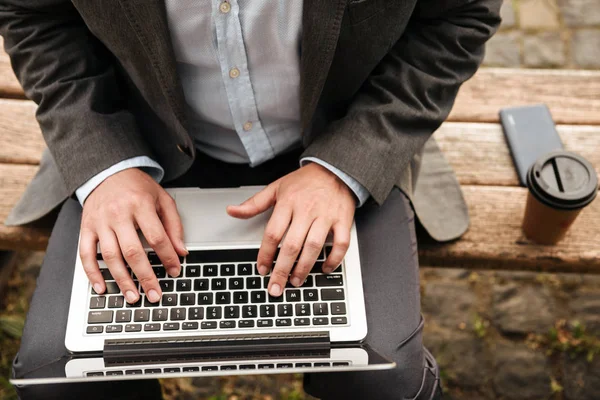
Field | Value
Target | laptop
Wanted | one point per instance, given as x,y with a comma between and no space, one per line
217,317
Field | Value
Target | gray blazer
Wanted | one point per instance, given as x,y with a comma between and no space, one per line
378,77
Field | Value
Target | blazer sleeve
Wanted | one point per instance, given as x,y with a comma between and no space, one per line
409,94
71,76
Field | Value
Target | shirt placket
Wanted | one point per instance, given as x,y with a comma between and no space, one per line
231,51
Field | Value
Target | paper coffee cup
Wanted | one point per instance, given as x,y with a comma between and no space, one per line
560,185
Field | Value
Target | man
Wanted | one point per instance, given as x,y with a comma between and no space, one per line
233,92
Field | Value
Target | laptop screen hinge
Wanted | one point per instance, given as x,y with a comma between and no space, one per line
124,350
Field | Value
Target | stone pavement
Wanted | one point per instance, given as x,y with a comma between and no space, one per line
547,34
514,335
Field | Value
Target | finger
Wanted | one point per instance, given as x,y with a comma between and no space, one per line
276,227
168,214
87,252
341,242
111,254
154,232
134,254
310,252
256,204
290,248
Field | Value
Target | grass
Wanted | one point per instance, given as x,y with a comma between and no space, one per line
569,338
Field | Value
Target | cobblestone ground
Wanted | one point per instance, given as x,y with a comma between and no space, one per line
547,34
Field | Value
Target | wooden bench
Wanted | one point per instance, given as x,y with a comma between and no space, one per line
472,141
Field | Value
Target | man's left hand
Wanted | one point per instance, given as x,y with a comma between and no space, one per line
308,204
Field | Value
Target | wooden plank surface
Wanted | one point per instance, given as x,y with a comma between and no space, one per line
21,141
9,86
572,96
495,239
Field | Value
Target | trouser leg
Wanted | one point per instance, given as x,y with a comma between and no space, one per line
389,260
43,340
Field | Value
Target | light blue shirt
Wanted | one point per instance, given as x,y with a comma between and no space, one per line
239,64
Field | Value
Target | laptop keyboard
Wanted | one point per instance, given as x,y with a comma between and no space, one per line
219,290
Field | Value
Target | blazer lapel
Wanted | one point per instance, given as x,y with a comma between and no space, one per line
149,20
321,23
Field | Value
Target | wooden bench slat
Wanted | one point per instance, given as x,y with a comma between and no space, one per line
9,85
573,96
495,240
21,140
480,156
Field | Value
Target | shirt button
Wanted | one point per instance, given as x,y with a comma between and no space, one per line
225,7
247,126
234,73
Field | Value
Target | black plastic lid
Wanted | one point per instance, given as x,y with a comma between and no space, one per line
563,180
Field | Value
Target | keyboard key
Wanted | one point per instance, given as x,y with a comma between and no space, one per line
245,323
227,324
244,269
192,271
190,369
332,294
322,364
151,327
205,299
302,310
275,299
292,295
166,285
240,297
106,274
151,371
232,312
253,282
283,322
169,300
208,270
153,258
339,320
329,280
160,314
266,282
266,366
136,304
212,256
114,328
258,296
133,328
188,326
317,268
208,325
187,299
223,298
285,365
338,308
184,285
114,373
171,326
311,294
171,369
249,312
247,366
213,312
210,368
264,323
94,329
133,372
228,367
227,270
111,288
177,314
236,283
218,284
301,321
267,310
100,317
147,303
195,313
320,309
97,302
341,364
98,373
141,315
303,365
308,282
115,301
284,310
160,272
200,284
320,321
123,316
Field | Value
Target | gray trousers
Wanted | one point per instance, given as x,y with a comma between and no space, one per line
388,250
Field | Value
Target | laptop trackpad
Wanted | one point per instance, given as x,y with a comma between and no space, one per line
205,220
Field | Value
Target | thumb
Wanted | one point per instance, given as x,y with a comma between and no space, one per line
256,204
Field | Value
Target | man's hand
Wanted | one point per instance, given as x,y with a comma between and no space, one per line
112,213
309,203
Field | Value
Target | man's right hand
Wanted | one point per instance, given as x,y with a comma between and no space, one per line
112,213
